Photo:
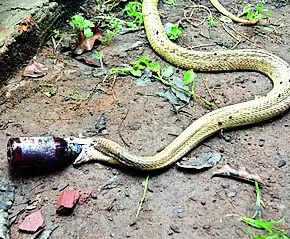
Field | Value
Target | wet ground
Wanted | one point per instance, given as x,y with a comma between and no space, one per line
178,204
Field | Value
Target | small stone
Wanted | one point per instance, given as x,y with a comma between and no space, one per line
281,163
32,222
203,202
227,138
206,227
175,228
94,194
261,142
232,194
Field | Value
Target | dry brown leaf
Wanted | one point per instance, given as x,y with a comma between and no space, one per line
241,173
35,69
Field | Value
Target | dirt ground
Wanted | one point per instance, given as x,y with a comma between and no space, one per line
178,204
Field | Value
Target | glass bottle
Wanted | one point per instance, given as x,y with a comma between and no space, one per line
46,152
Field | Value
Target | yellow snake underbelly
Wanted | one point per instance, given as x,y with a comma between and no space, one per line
253,111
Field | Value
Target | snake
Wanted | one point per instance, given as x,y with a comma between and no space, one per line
274,103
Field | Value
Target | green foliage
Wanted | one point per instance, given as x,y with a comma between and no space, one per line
189,77
80,24
163,74
134,11
138,67
270,227
108,38
175,32
171,2
99,55
51,92
76,96
274,232
211,21
259,202
260,224
57,34
256,14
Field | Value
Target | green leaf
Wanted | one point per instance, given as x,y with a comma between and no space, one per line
251,16
155,67
189,77
88,33
212,23
281,235
136,72
51,92
260,224
171,2
88,23
77,19
260,9
99,55
180,89
142,63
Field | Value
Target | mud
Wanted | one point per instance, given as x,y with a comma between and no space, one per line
179,204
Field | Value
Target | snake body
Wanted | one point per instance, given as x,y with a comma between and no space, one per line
253,111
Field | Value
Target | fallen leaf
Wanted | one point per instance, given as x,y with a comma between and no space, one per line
181,94
169,96
90,59
88,44
145,79
206,160
26,25
241,173
35,69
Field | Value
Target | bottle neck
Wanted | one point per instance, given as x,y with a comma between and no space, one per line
72,151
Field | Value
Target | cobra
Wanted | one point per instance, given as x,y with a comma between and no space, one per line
274,103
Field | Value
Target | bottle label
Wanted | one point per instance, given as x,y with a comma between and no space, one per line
38,149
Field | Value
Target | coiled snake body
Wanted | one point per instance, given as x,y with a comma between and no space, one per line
253,111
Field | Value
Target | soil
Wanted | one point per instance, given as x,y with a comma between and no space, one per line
178,204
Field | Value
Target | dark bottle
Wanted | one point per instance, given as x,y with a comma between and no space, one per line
48,153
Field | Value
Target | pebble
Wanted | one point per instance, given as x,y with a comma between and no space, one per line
261,142
175,228
206,227
281,163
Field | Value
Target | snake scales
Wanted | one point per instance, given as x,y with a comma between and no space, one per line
253,111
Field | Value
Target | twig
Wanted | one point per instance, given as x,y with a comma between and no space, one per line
244,36
143,197
185,17
237,43
113,84
119,129
209,92
232,35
